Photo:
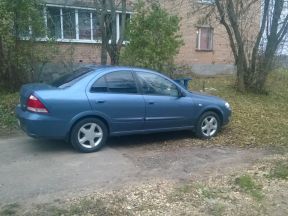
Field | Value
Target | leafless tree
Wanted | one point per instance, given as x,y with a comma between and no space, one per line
107,13
256,30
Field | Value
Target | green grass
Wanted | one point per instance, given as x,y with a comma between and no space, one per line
217,209
259,120
10,209
280,170
83,206
8,102
248,185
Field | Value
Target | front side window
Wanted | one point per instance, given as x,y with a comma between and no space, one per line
153,84
204,39
115,82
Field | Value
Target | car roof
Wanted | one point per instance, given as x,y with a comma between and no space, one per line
110,67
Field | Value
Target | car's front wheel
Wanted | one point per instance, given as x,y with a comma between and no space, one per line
208,125
89,135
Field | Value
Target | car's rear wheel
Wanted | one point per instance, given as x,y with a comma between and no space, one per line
208,125
89,135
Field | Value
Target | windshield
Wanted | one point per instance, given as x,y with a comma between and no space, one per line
70,78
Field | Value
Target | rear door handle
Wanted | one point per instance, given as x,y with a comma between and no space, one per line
151,102
100,101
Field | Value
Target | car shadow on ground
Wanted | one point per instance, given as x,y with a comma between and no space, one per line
143,140
42,145
120,142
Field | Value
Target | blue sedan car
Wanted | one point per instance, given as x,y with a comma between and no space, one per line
95,102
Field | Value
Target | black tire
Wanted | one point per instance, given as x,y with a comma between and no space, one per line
214,125
87,125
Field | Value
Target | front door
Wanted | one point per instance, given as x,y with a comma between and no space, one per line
165,107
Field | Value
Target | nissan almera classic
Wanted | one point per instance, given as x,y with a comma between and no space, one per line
95,102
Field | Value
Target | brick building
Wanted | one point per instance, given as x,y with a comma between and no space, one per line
76,29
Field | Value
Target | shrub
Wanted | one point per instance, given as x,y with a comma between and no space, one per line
153,38
21,23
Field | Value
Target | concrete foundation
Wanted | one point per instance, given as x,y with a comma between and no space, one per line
213,69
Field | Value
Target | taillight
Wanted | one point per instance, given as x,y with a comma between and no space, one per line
35,105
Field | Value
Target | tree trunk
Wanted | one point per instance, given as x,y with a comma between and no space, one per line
113,44
261,81
1,57
261,75
240,82
114,55
103,33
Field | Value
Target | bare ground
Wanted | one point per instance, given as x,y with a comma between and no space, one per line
36,172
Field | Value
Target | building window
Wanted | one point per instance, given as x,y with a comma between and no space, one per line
84,24
128,17
97,34
53,22
69,26
204,39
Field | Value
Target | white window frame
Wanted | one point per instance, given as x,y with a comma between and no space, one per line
198,45
77,40
77,24
206,1
91,25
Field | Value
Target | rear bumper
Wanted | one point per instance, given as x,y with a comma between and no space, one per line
41,125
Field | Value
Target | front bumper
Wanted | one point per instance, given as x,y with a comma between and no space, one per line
227,117
41,125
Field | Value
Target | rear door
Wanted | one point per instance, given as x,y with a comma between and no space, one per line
116,95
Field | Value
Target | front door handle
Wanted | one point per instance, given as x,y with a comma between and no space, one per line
151,102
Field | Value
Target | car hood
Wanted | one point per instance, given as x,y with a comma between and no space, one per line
205,96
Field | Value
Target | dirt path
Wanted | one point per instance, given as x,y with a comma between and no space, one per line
46,170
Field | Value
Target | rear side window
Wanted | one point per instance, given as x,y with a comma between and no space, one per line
116,82
71,78
100,85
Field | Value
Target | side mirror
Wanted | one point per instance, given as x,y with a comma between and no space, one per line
181,93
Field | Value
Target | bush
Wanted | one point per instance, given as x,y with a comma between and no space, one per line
153,39
21,22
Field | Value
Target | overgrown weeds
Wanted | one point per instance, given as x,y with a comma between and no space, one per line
8,122
248,185
279,171
258,120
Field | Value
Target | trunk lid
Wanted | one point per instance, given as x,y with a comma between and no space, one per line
28,89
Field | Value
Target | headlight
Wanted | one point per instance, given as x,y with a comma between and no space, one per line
227,105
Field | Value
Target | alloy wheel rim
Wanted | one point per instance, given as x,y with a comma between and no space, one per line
209,126
90,135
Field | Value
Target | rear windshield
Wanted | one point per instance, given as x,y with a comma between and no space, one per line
69,79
